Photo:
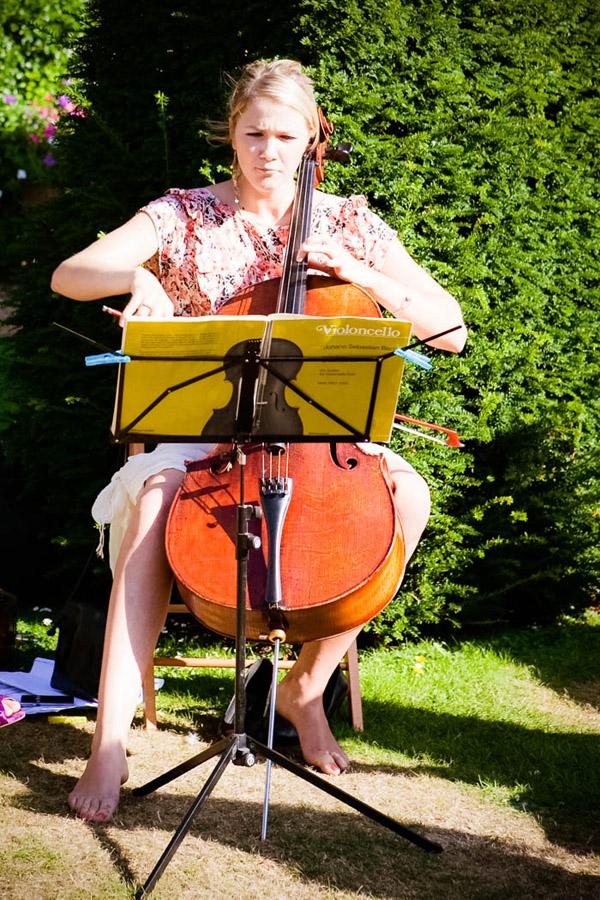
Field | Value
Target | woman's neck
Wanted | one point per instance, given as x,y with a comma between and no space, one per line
269,209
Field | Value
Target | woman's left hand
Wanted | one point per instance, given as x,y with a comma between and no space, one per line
327,256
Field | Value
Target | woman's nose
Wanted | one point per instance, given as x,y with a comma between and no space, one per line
269,149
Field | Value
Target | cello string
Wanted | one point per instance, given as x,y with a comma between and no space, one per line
295,238
306,228
288,263
286,294
300,235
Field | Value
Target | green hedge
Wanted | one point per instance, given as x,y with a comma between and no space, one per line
475,127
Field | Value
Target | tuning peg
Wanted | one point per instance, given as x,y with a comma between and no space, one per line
340,154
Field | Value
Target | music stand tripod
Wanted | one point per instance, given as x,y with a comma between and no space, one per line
240,748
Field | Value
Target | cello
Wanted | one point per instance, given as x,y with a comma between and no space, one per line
332,552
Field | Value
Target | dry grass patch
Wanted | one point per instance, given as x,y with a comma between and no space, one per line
316,848
567,708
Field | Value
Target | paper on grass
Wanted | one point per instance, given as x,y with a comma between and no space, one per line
37,682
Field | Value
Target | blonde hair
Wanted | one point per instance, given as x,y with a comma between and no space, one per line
281,80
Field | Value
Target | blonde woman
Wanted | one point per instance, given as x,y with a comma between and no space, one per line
209,244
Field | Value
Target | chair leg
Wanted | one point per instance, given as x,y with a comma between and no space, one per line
149,699
354,697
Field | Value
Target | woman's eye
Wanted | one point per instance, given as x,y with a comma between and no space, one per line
280,137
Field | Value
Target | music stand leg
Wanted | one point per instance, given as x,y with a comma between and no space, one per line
248,749
186,823
325,785
181,769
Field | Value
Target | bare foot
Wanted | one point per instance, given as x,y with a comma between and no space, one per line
95,797
318,745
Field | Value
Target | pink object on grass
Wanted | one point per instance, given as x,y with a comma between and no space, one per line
10,710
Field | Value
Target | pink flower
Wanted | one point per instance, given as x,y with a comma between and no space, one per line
10,98
49,97
69,107
34,138
50,131
49,160
44,111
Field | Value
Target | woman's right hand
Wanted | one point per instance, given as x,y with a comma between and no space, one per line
148,298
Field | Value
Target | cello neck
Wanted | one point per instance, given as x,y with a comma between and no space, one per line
292,288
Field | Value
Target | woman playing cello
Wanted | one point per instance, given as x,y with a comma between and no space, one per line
211,244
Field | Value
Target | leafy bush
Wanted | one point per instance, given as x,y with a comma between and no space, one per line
475,129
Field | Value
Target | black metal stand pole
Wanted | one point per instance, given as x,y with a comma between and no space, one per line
235,749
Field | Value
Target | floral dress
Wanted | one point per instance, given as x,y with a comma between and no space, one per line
209,251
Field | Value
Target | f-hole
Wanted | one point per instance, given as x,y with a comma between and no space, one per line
350,463
223,463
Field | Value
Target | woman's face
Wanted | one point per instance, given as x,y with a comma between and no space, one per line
269,139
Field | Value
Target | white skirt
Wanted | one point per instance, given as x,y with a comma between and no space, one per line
115,503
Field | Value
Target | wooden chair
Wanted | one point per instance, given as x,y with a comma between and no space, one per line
349,664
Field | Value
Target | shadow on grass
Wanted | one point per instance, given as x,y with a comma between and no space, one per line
557,774
554,775
565,657
330,849
200,697
340,850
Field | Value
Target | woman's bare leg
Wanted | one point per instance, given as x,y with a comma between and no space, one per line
299,697
300,701
138,604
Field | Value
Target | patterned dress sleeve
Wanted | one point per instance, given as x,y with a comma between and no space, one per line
169,217
364,233
178,218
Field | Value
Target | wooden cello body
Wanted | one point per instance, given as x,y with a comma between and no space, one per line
336,569
340,554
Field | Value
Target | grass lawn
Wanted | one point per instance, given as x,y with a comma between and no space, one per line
489,746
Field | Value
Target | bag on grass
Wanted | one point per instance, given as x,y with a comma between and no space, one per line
258,696
78,657
79,651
